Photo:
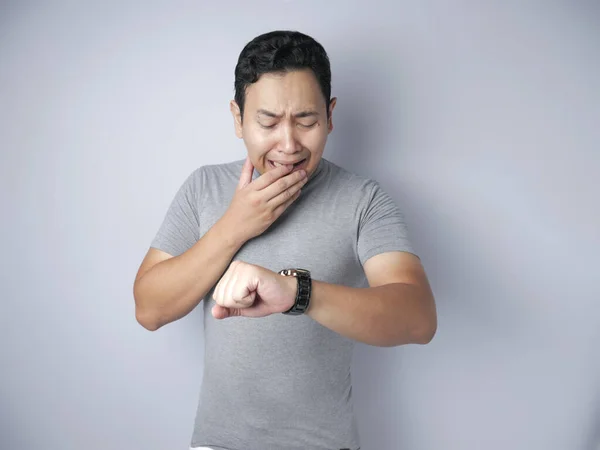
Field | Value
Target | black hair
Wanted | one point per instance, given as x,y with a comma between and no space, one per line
279,52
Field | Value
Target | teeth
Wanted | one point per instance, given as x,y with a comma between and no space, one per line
276,164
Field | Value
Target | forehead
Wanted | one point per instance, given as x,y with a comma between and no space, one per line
281,92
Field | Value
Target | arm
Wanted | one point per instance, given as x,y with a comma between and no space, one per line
398,308
167,288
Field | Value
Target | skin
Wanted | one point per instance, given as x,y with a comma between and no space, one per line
285,120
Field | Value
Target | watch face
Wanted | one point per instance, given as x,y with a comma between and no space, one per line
295,272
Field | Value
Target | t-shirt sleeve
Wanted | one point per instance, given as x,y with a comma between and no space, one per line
180,228
382,226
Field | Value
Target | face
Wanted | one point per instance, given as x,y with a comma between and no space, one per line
285,121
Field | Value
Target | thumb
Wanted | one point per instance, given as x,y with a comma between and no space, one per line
246,176
221,312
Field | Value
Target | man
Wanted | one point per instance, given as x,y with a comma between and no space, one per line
300,257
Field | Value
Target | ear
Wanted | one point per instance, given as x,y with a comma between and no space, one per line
237,118
330,119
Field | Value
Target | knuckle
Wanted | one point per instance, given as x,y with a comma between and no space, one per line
254,201
283,184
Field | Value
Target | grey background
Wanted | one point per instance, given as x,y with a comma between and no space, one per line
480,118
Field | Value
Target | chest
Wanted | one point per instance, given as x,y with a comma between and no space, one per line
311,234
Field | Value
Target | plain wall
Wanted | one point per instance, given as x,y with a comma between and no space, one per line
482,120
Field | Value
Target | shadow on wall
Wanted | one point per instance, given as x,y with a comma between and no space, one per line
360,143
593,442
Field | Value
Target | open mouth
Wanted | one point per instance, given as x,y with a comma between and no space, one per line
297,166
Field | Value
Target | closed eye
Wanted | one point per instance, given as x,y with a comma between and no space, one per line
308,126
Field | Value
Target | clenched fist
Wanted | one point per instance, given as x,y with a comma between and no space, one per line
252,291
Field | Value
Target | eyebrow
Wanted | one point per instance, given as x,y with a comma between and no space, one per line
301,114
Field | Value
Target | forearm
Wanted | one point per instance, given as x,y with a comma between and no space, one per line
174,287
388,315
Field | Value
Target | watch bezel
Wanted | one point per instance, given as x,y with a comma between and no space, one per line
303,292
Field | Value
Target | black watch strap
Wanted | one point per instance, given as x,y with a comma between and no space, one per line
302,293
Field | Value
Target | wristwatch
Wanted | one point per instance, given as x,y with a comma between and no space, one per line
302,293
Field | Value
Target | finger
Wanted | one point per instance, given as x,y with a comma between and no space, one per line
281,208
217,292
221,293
258,310
241,290
246,175
228,293
268,178
220,312
246,301
282,184
288,194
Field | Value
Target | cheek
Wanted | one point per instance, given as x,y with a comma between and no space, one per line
256,141
257,146
254,149
316,141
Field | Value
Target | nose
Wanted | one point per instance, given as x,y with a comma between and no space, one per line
288,142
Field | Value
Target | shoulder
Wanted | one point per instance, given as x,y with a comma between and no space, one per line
356,185
198,178
219,170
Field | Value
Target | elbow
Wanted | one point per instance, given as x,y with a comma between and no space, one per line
425,332
146,320
425,335
426,327
422,336
421,333
144,316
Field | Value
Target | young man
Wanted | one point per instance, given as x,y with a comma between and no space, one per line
295,258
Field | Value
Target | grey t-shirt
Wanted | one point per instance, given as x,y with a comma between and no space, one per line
283,382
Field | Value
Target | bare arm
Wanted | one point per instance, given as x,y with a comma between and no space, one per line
167,288
398,308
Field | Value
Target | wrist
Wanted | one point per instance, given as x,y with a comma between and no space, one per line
229,234
292,284
313,308
303,284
